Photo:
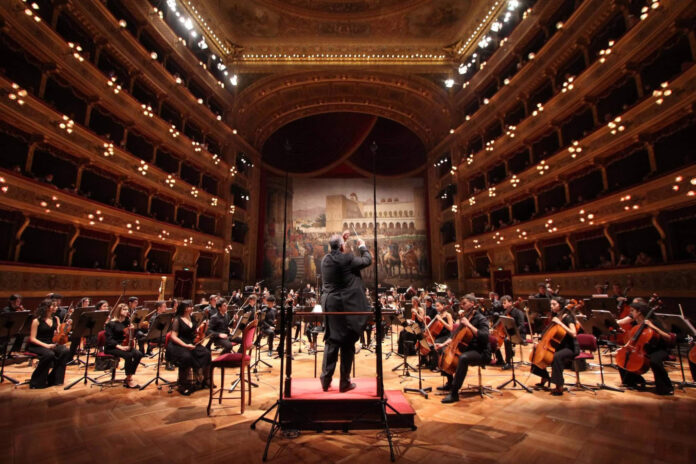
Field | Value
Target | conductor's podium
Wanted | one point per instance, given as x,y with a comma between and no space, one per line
310,408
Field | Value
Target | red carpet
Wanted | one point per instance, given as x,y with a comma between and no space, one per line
309,407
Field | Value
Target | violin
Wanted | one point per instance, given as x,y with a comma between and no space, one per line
551,338
61,337
129,337
632,356
450,356
200,332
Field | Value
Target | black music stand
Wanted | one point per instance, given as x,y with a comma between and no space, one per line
600,324
512,334
423,391
683,330
74,338
257,346
539,307
158,332
85,327
604,303
12,323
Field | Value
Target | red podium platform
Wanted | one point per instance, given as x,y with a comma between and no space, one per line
311,408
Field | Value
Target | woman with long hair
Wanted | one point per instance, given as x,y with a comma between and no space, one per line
52,357
116,330
182,351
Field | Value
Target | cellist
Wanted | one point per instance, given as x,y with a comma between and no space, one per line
657,350
566,351
441,326
510,310
477,352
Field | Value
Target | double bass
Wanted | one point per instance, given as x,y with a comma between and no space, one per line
551,338
632,356
450,356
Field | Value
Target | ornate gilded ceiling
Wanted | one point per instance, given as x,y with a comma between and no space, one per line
317,30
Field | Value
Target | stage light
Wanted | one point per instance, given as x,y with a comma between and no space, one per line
234,80
202,44
449,83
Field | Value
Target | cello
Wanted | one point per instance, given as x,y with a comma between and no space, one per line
553,335
450,356
632,356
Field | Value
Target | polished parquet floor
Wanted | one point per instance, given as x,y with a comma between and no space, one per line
86,425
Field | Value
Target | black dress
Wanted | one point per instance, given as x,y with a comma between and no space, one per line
55,358
114,332
658,352
197,358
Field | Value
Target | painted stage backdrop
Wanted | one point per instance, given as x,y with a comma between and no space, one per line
319,208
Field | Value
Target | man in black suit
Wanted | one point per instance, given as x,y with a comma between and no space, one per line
343,291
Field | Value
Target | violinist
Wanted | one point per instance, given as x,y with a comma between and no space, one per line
565,352
211,309
52,357
267,325
476,353
183,352
510,310
657,350
452,302
496,304
219,327
14,304
118,344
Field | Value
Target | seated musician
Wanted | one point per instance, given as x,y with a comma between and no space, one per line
267,325
140,335
542,293
52,357
565,352
476,353
160,308
115,331
657,350
219,327
517,314
182,351
452,301
418,312
430,311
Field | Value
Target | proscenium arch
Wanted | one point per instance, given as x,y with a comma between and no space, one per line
272,102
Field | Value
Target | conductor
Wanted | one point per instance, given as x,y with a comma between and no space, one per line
342,291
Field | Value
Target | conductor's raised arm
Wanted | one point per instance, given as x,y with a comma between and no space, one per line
362,261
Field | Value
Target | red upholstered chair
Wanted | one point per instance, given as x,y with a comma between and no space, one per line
588,345
241,360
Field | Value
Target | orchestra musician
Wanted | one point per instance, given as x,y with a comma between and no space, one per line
267,325
430,311
496,304
182,351
418,312
657,350
452,302
219,327
445,333
140,335
212,305
476,353
566,351
542,291
115,331
343,290
517,314
52,357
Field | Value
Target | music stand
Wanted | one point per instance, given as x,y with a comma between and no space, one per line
512,334
84,327
600,324
604,303
257,346
423,391
75,340
683,329
12,323
158,332
538,307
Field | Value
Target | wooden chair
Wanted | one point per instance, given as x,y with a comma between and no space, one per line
241,360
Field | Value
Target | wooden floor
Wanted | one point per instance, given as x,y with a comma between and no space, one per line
86,425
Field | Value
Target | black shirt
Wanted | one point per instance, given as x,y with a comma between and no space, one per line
480,342
115,332
568,341
219,324
186,334
44,333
